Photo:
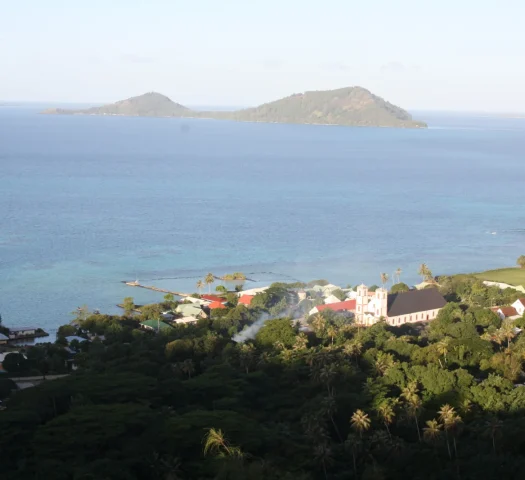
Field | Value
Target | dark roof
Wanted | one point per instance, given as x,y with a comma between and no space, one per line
414,301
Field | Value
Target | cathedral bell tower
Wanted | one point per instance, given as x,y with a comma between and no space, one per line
361,303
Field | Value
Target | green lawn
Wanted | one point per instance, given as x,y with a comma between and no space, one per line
512,276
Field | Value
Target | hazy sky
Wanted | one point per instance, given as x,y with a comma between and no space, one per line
419,54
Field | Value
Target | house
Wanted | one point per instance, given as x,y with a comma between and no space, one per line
216,306
185,320
3,339
505,312
190,310
346,306
398,308
17,332
331,299
212,298
253,291
155,325
246,300
519,305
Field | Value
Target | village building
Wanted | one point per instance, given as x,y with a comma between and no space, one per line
155,325
246,300
190,310
3,339
519,305
216,306
20,332
505,312
346,306
212,298
397,308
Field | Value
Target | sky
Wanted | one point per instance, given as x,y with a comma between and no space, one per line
462,55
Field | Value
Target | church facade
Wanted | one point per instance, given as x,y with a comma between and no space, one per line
397,308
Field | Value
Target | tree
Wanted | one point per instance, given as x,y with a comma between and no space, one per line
521,261
215,443
450,420
384,279
412,403
386,413
399,288
493,428
208,280
128,305
442,347
353,348
398,274
276,330
507,330
424,272
432,432
200,284
360,422
221,288
15,363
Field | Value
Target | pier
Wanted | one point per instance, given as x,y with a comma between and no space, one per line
156,289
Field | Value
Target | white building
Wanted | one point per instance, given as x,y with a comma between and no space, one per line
397,308
519,305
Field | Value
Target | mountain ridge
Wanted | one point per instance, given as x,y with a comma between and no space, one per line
348,106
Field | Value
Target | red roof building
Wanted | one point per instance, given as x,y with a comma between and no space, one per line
246,300
215,305
212,298
346,306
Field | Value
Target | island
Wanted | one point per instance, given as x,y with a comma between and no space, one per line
351,106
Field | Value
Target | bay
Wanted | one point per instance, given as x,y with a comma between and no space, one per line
86,202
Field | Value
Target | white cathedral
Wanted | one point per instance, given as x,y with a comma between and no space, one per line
397,308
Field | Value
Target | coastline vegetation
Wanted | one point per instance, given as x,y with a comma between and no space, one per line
221,400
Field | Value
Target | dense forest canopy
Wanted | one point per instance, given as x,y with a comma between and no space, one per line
429,401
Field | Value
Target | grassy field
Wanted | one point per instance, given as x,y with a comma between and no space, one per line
512,276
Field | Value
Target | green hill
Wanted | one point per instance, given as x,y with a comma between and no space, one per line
352,106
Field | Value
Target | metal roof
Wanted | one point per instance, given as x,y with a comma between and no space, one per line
414,301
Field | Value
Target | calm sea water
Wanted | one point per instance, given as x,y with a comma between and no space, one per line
86,202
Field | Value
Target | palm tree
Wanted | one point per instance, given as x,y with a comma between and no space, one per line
216,443
386,413
353,348
331,332
323,453
412,403
450,421
327,373
384,279
187,367
301,342
507,330
318,323
246,356
200,284
329,407
424,272
360,422
493,428
398,274
432,431
208,280
442,347
383,362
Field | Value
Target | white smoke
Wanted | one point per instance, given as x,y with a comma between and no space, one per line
249,332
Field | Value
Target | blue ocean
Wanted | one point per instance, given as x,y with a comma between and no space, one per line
87,202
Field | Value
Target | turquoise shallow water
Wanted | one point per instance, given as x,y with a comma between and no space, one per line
86,202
